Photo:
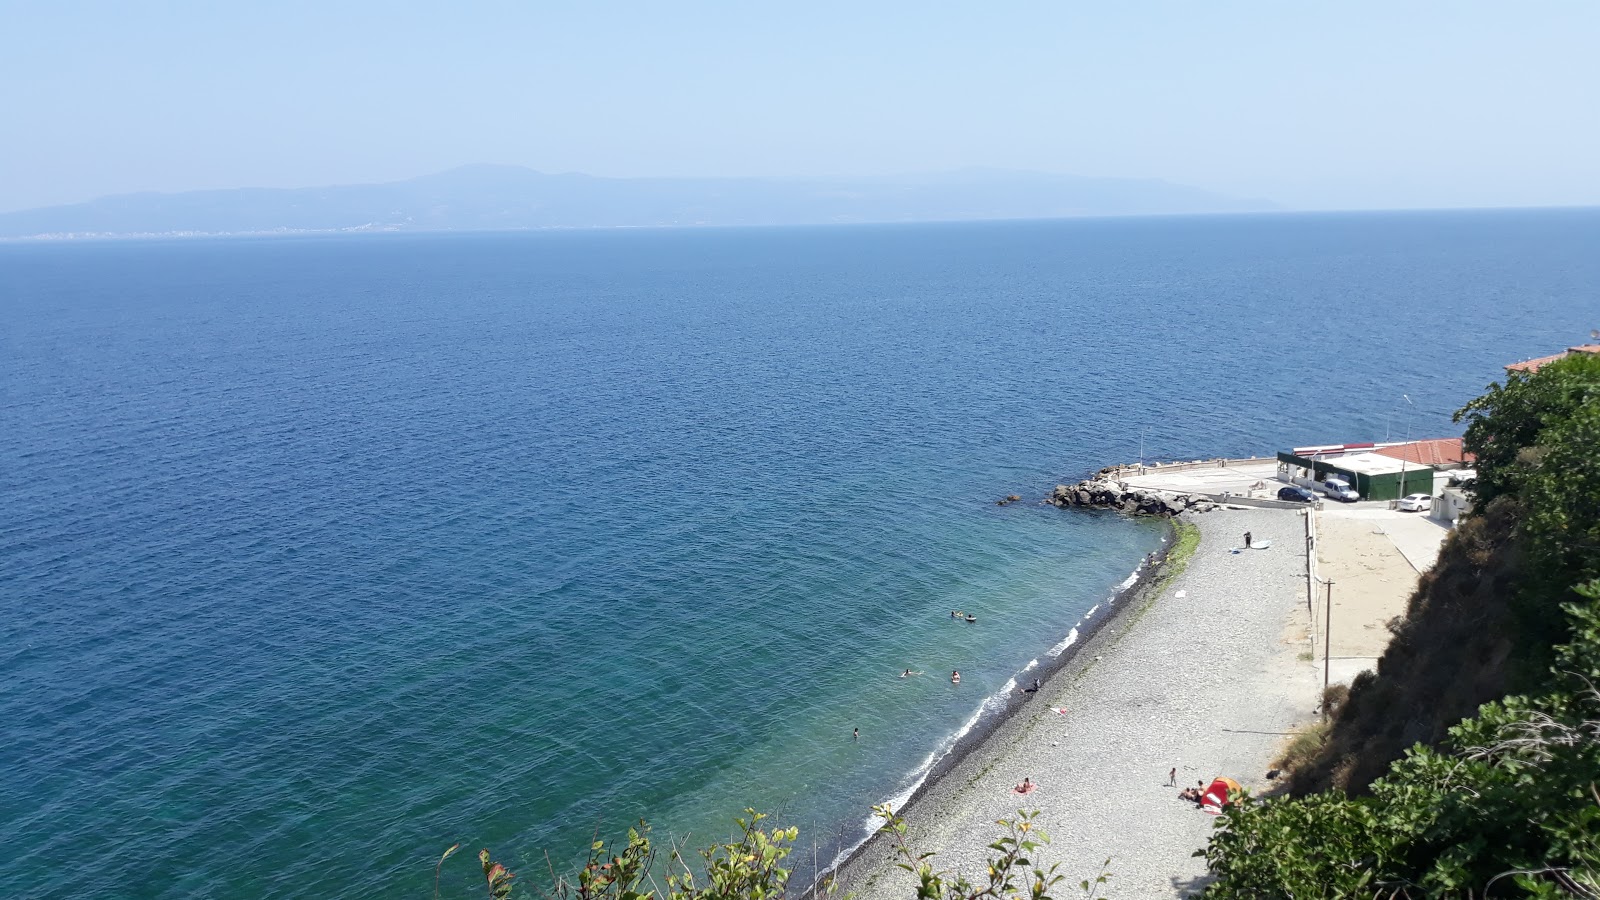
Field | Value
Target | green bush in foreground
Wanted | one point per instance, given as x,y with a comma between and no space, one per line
751,868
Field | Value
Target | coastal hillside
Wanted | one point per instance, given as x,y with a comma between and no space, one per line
492,198
1470,762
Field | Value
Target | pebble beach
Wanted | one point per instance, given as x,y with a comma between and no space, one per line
1206,676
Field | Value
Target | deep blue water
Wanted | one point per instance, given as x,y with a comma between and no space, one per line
320,555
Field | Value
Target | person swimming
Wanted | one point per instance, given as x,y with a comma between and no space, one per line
955,677
908,673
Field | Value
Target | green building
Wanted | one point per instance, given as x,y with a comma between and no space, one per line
1373,475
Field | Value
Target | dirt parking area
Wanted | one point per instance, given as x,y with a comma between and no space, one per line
1372,556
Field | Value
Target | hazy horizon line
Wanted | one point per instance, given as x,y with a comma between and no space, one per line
387,231
910,173
1284,208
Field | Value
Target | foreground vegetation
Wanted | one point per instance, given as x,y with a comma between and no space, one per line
1470,764
751,868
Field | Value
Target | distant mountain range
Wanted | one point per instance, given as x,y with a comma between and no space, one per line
482,198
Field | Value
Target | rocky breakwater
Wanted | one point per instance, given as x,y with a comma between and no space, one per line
1102,493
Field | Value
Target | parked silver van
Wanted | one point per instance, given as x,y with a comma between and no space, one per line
1339,489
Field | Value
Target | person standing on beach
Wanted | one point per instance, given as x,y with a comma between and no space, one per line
1172,777
1247,540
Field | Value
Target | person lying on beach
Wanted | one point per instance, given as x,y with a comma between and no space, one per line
1190,794
1026,787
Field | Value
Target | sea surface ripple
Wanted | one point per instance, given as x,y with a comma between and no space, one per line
320,555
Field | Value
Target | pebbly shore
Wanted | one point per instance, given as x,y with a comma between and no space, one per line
1205,675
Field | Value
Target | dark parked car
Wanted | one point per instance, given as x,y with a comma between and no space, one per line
1297,494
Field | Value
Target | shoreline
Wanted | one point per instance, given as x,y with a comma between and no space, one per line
1133,593
1150,698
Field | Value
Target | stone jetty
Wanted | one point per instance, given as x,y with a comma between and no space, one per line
1101,492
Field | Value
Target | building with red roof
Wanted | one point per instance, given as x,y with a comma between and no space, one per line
1441,453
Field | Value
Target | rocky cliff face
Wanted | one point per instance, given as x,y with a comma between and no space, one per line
1102,493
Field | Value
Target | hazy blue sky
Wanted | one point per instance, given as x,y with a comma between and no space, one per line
1313,105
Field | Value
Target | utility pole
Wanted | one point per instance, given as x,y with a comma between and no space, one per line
1327,645
1410,406
1141,448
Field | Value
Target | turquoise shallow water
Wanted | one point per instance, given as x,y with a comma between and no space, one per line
317,556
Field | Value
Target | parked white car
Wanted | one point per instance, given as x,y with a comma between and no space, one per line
1415,503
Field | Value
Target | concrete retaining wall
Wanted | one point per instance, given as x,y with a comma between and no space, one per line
1261,502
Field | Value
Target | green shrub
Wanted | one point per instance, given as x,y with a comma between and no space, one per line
750,867
1304,747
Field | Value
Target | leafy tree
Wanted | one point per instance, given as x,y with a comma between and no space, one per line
1561,491
1538,446
1504,425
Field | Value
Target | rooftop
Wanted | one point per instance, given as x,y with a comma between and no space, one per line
1435,452
1371,464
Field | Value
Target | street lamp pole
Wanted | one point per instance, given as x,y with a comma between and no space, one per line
1141,447
1409,407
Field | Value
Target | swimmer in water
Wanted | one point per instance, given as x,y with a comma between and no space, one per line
908,673
955,677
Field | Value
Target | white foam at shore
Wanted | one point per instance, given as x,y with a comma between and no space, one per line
1068,641
993,703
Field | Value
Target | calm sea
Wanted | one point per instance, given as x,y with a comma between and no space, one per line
320,555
